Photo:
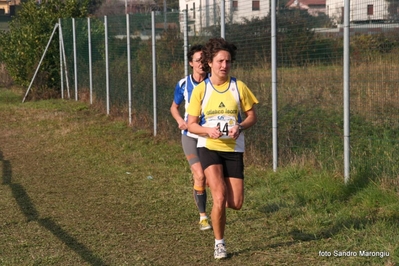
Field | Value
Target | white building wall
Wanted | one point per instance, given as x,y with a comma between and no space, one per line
244,10
359,10
206,13
334,9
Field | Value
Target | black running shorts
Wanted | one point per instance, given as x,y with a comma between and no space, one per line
233,162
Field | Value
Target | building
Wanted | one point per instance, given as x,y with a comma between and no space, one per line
7,7
4,7
314,7
362,11
206,13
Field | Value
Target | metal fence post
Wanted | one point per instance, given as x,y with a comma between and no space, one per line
346,91
61,64
75,63
274,84
222,19
129,71
90,60
106,62
185,42
154,71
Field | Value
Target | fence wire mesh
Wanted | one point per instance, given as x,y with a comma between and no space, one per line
310,76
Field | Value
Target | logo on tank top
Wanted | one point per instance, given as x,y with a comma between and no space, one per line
221,105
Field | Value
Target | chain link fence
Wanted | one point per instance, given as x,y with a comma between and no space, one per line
310,77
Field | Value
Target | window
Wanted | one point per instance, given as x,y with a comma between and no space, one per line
235,5
370,10
255,5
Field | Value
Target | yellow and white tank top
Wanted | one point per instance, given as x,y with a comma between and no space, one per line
221,106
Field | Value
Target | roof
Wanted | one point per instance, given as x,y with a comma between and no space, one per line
307,2
171,25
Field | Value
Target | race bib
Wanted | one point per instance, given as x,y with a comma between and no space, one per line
224,123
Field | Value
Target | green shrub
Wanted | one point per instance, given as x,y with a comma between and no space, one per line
24,44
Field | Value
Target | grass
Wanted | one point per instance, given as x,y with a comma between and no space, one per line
76,191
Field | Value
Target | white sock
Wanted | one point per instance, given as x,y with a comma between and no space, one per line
221,241
203,217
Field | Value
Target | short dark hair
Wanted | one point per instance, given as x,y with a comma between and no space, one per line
194,49
212,47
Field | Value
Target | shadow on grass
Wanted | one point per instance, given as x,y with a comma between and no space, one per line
270,208
262,249
28,209
298,236
356,223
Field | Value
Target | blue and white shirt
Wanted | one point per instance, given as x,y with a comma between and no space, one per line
183,91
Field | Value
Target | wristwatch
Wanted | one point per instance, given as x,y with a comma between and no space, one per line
240,128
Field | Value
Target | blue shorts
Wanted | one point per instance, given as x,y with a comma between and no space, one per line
232,162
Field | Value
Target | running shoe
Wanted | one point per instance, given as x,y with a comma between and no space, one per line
204,224
220,251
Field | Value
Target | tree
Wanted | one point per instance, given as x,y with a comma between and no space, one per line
23,45
170,4
393,9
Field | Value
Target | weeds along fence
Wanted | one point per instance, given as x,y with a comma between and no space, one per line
309,79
